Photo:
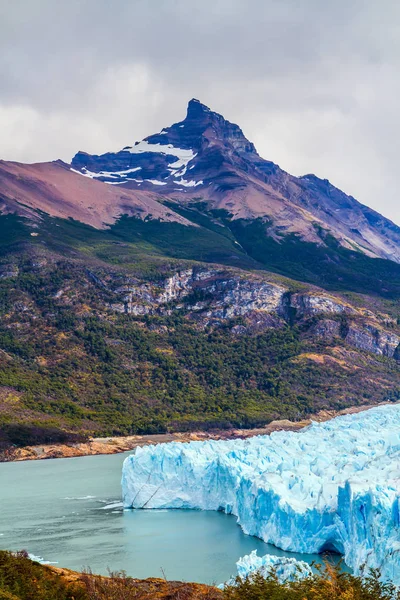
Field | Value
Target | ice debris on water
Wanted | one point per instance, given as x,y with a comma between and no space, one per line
41,560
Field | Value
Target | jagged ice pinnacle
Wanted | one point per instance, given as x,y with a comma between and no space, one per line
332,486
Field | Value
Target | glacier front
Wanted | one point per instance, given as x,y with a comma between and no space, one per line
332,486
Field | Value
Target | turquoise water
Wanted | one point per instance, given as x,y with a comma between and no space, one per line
68,511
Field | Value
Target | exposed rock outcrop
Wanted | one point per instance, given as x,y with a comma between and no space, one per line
211,296
7,271
309,304
372,338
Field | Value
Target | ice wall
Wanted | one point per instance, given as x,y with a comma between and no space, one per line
332,486
285,569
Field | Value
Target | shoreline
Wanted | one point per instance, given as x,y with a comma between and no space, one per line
120,444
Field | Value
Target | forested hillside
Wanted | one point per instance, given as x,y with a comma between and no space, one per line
104,333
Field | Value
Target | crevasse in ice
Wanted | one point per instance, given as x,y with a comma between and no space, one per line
332,486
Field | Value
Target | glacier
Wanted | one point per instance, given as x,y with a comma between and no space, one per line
286,569
333,486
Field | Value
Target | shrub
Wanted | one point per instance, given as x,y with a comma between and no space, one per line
24,579
329,583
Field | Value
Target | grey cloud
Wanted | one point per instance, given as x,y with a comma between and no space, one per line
313,84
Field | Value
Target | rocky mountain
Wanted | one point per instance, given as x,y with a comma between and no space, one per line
205,156
185,282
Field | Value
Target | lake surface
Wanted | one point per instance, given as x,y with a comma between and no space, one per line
69,511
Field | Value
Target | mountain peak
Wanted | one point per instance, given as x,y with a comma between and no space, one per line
195,109
205,155
200,118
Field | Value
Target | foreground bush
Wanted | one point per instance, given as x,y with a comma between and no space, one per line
23,579
328,584
120,587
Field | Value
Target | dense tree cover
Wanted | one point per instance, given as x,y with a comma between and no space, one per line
117,374
145,245
21,434
329,265
67,360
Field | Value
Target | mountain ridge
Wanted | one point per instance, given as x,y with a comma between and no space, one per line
225,169
202,158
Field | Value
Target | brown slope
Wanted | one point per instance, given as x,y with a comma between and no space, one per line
244,196
293,207
56,190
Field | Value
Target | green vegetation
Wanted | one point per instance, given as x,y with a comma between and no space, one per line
69,361
329,583
137,244
144,247
13,231
73,363
329,265
19,435
23,579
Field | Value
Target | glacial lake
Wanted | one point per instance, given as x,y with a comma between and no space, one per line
68,511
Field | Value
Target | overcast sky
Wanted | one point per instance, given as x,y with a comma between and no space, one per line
314,84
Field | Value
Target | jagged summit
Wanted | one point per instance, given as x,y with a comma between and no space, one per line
201,129
215,127
203,158
195,108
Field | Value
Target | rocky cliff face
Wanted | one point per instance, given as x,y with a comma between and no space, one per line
210,297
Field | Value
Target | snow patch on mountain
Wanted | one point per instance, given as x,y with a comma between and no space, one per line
183,156
155,181
104,174
176,168
188,183
332,486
